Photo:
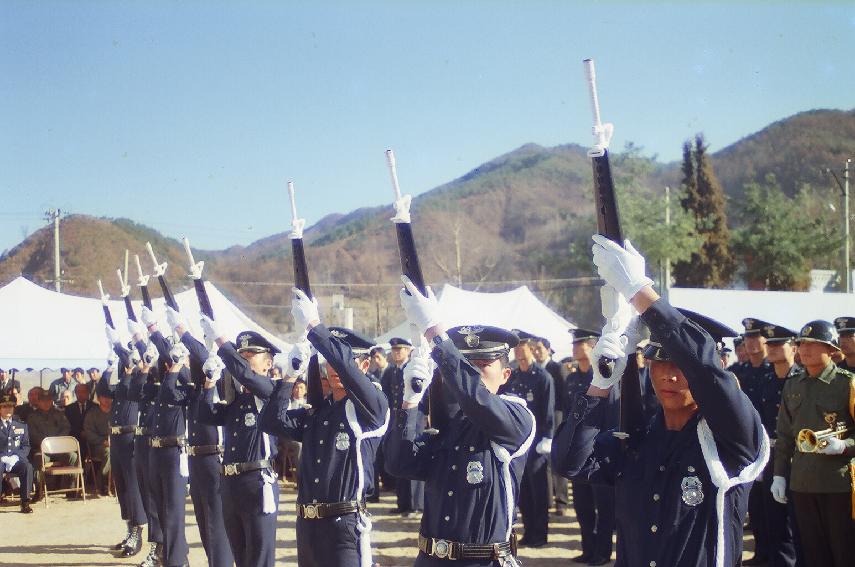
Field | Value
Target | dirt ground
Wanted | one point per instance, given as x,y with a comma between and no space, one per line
73,533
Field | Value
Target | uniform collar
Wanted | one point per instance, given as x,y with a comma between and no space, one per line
827,375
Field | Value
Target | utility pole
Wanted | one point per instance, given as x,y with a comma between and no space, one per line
53,215
666,264
844,190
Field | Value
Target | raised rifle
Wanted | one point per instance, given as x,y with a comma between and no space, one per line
142,282
411,268
126,290
160,272
205,307
314,388
107,316
632,421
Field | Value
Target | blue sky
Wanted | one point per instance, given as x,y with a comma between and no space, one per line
191,116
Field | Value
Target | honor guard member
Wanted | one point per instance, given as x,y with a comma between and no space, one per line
815,447
249,491
533,384
204,448
15,449
124,419
681,487
379,364
584,503
542,350
846,332
741,356
780,351
340,434
409,493
473,466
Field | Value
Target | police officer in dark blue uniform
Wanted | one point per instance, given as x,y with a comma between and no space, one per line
681,487
250,493
846,332
124,420
473,466
15,449
340,434
533,384
409,493
204,448
780,523
754,376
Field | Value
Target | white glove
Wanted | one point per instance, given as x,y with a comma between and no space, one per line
779,489
422,311
178,353
544,446
297,226
304,310
835,446
402,209
137,330
298,359
417,375
621,267
9,461
150,355
112,335
135,354
175,319
147,316
211,328
213,367
112,359
616,310
611,346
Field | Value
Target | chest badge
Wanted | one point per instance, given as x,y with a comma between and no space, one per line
529,396
474,472
342,441
249,419
693,493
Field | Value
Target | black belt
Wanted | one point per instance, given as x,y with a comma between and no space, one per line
445,549
122,429
200,450
161,442
141,430
232,469
329,510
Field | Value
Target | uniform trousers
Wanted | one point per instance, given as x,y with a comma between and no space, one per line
410,495
604,525
141,449
558,494
586,515
205,478
125,478
534,498
252,533
24,471
757,518
168,491
826,528
328,542
783,548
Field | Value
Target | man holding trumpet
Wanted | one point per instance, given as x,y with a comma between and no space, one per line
815,447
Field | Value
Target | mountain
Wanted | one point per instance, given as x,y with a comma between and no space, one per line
525,215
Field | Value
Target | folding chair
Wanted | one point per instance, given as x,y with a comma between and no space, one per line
61,445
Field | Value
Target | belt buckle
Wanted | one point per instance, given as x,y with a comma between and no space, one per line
310,511
230,469
155,441
115,430
441,549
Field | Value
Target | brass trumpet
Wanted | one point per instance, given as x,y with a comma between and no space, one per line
810,441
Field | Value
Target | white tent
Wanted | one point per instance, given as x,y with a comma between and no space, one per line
41,328
788,308
515,309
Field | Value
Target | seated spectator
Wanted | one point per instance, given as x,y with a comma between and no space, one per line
48,421
23,411
76,412
96,433
60,385
14,446
67,399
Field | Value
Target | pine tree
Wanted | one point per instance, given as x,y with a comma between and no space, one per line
712,265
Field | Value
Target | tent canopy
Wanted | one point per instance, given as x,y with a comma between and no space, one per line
45,329
515,309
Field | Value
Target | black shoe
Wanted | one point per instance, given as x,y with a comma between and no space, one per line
134,543
755,561
122,543
583,558
25,508
535,544
598,560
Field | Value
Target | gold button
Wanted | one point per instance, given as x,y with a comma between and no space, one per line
454,467
653,528
661,468
652,564
447,518
656,498
451,493
691,469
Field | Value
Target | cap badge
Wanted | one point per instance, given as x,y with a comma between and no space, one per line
342,441
841,324
693,493
338,334
249,419
769,330
244,341
472,339
806,330
749,324
474,472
